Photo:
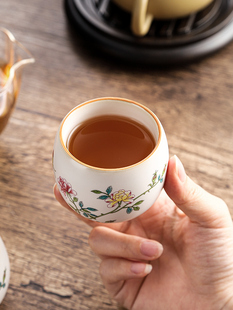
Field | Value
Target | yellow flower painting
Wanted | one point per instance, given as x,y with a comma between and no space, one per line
120,196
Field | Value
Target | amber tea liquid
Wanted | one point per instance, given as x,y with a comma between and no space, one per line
110,142
7,100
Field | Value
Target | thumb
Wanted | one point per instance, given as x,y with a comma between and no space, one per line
199,205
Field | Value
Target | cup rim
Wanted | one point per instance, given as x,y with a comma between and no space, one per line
114,99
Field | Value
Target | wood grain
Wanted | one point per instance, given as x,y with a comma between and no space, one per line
52,266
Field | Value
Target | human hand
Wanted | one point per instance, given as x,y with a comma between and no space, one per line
177,255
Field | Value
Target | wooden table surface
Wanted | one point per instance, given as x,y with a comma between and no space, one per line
52,266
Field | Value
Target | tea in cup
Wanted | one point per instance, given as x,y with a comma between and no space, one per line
110,159
144,11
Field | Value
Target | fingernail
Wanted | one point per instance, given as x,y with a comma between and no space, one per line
138,268
180,170
151,249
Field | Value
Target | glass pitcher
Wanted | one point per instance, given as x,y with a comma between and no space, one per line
13,57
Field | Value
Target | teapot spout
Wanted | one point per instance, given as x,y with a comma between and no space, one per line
15,53
21,62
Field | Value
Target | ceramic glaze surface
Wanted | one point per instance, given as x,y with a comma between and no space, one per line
4,270
110,195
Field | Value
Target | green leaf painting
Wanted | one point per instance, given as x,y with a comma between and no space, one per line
115,200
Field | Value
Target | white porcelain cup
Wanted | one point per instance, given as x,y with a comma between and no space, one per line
110,195
4,270
144,11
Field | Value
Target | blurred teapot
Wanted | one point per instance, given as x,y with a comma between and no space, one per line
144,11
13,57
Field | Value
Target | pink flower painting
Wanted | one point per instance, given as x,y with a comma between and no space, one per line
66,187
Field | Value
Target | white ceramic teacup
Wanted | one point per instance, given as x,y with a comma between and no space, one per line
110,195
4,270
144,11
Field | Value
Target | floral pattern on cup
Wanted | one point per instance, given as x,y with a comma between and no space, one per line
3,283
116,201
66,187
118,197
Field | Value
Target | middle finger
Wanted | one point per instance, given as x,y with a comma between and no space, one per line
108,242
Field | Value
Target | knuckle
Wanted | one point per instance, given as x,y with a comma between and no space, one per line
130,246
107,270
93,237
102,269
223,207
134,248
195,194
222,203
